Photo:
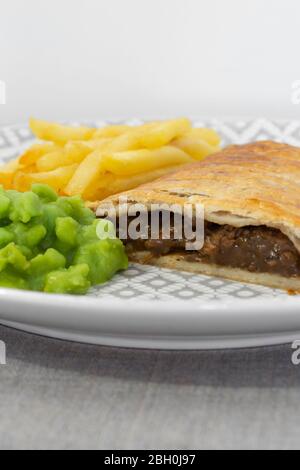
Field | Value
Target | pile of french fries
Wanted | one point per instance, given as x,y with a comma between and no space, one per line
96,163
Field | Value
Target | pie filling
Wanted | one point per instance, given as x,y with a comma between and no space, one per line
255,249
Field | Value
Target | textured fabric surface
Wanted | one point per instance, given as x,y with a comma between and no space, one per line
59,395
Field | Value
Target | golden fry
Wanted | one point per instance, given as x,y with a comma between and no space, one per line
100,144
7,172
6,179
111,131
208,135
196,148
87,172
125,142
57,179
58,133
150,136
159,134
140,161
31,155
73,152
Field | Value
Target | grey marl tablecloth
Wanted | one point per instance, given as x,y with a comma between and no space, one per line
59,395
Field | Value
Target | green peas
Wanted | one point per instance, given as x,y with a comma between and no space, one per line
50,243
73,280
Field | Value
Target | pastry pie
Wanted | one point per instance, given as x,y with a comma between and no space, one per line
251,199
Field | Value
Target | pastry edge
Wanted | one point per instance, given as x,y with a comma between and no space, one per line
176,262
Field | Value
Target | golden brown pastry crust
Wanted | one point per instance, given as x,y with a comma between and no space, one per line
253,184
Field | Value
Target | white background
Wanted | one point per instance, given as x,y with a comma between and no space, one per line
81,59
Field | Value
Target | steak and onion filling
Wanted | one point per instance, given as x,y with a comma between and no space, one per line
255,249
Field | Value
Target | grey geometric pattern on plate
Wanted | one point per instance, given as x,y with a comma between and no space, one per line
150,283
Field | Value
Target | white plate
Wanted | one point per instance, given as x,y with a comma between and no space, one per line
147,307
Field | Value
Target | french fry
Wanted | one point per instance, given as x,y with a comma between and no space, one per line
6,179
125,142
57,178
73,152
150,136
27,169
196,148
36,151
58,133
111,131
208,135
140,161
159,134
7,172
52,160
99,144
87,172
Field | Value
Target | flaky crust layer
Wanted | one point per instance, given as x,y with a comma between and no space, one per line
253,184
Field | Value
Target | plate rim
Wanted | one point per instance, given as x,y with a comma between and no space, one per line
78,301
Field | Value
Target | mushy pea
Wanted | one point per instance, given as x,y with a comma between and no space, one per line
49,243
